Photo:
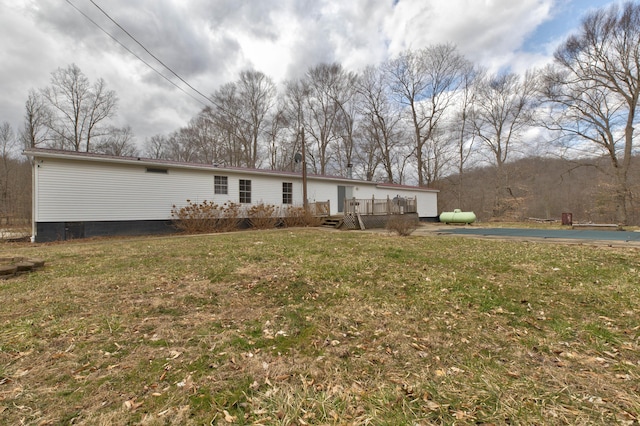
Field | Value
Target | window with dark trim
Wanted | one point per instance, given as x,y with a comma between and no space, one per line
245,191
220,185
287,193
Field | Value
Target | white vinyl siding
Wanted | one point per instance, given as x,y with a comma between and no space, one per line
427,201
76,191
70,190
84,190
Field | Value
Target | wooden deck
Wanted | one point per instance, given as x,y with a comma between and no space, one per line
383,206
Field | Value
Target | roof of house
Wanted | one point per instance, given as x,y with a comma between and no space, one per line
149,162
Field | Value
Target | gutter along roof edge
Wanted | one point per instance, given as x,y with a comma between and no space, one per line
103,158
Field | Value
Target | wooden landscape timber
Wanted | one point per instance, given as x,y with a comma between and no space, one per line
13,266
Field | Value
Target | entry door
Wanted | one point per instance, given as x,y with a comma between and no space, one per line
341,195
344,192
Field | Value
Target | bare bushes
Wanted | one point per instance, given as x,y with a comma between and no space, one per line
263,216
231,218
209,217
204,217
294,216
402,224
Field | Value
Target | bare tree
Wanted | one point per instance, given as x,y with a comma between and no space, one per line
77,107
594,90
280,154
206,137
295,100
8,141
369,158
102,105
381,125
226,118
324,110
236,130
461,128
502,112
438,153
8,148
156,147
256,98
345,95
36,118
119,143
425,82
180,146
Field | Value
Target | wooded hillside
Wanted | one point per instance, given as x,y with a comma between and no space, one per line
543,188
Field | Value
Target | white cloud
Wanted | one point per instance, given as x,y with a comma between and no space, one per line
487,32
208,42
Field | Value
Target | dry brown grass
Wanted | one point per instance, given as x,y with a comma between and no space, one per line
310,327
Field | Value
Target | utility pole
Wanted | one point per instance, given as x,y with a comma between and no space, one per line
305,202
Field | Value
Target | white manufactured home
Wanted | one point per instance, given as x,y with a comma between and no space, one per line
87,195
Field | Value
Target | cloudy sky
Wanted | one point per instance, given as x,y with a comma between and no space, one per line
208,42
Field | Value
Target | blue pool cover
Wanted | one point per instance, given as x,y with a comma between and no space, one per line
574,234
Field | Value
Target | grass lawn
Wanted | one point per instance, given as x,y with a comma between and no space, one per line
308,326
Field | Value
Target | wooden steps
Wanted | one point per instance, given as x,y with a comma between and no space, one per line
332,222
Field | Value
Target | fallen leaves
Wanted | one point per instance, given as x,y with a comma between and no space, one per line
131,405
173,354
228,417
505,341
187,384
451,371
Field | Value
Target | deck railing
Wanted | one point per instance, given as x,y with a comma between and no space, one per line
320,208
373,206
